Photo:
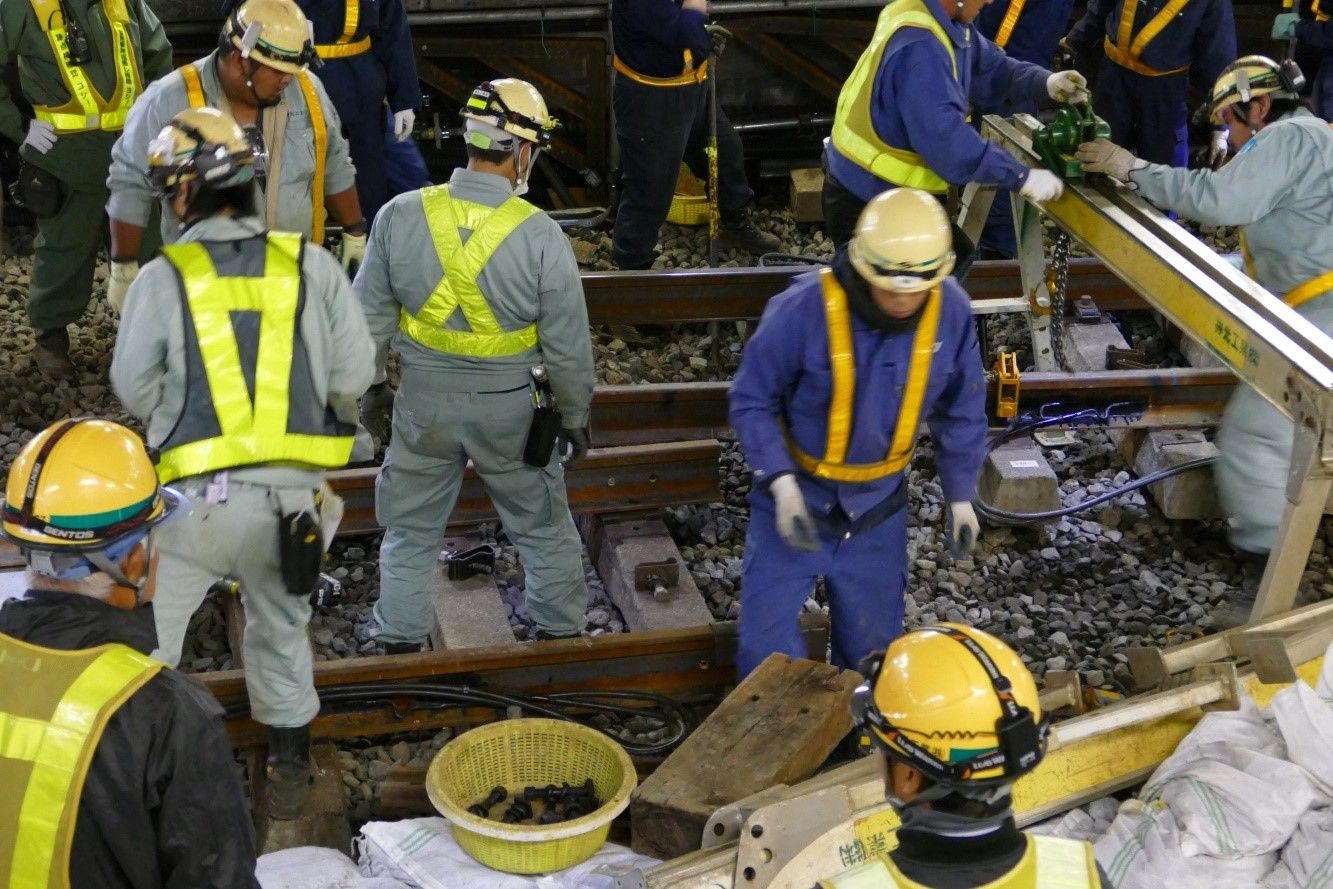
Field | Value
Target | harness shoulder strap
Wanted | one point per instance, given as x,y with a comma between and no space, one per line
321,132
194,85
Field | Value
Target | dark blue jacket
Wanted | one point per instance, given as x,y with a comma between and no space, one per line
1036,35
1318,34
1202,35
651,36
393,74
917,104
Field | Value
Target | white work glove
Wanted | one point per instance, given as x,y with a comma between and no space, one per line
41,136
402,124
1042,185
794,522
1104,156
962,528
1284,25
1067,87
351,253
1217,151
118,283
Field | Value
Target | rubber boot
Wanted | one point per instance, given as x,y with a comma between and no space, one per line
52,354
288,770
740,233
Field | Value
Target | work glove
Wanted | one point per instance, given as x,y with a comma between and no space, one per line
119,281
1067,87
1284,25
353,250
962,528
1217,151
1042,185
377,411
572,445
41,136
719,35
794,522
1104,156
402,124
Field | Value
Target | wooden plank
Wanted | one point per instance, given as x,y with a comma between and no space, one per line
777,727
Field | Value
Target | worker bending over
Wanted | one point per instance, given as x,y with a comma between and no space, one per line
243,351
828,401
901,118
955,720
81,65
476,287
257,76
1279,189
117,772
1316,32
1152,47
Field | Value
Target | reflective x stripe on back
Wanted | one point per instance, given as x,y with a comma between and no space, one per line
1127,49
86,109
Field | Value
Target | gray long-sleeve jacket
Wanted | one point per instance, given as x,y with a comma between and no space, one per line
1279,187
148,371
132,195
531,278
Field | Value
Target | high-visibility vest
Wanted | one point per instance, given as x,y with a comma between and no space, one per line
194,91
1298,295
842,404
343,45
86,109
54,706
221,425
462,264
1127,48
1048,863
853,127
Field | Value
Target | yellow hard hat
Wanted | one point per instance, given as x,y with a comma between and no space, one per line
511,105
903,241
1251,76
79,487
274,33
204,144
954,703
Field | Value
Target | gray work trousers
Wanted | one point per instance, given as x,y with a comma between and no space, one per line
239,539
435,433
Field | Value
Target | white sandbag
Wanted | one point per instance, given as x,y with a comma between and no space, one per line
1306,723
422,853
1246,727
1086,825
1307,861
314,867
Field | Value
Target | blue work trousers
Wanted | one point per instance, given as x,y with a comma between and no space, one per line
864,575
1148,115
357,87
657,128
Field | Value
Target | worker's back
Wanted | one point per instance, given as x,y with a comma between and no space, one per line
1003,859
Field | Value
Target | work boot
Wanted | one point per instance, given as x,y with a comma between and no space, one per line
739,232
52,354
288,771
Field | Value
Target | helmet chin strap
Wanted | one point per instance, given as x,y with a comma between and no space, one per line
522,175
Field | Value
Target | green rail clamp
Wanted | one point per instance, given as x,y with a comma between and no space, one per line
1056,142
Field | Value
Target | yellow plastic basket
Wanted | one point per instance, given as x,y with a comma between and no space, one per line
519,753
688,209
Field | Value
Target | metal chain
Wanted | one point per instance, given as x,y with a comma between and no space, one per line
1060,269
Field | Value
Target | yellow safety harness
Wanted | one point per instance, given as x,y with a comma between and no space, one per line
853,127
86,109
1048,863
462,264
344,46
56,706
1008,22
689,74
1128,47
252,432
842,404
1298,295
194,90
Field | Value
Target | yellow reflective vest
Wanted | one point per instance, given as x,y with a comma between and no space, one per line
842,361
1049,863
234,324
1127,48
54,706
853,129
457,290
87,109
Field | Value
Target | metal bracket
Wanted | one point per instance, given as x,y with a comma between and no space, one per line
622,876
659,578
724,825
1063,693
1126,359
1086,311
777,833
1226,671
1007,384
462,564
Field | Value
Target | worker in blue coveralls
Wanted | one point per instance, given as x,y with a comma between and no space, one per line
367,53
828,402
1028,31
1316,32
901,117
1152,49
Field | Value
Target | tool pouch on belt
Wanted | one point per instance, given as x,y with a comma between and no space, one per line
38,191
545,426
300,551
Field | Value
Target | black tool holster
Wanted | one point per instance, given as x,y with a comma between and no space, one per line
300,551
545,426
38,191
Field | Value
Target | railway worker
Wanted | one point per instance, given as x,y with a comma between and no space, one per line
1279,189
901,118
1316,32
136,785
258,76
368,60
955,720
80,98
660,96
475,286
1152,48
1028,31
243,351
828,401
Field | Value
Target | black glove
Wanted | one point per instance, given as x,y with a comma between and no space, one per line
377,411
572,445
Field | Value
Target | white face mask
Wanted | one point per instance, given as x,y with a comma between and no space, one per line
524,174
